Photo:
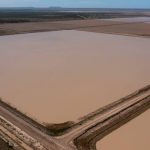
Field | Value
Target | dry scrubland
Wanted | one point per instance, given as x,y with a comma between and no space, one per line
132,29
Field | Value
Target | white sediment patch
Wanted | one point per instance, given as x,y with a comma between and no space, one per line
130,20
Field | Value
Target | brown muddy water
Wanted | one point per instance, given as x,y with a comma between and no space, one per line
133,136
63,75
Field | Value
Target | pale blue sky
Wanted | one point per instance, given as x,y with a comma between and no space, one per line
77,3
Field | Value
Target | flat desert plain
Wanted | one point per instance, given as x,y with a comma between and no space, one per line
135,26
63,75
130,19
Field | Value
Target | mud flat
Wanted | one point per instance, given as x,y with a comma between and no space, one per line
138,26
130,19
132,29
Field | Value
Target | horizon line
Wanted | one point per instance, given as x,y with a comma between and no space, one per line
74,7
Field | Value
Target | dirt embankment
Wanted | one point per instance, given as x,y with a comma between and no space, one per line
50,129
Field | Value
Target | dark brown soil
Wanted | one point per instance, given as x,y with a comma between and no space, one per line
4,145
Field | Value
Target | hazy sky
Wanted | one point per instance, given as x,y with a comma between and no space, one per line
77,3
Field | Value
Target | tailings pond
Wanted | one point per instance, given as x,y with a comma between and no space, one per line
63,75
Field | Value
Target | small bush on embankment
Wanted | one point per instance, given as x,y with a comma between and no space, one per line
59,129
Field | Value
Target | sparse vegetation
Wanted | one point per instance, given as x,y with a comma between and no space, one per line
31,15
58,129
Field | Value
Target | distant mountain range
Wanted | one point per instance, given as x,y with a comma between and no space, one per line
74,9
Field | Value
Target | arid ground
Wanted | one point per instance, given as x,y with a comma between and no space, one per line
135,28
